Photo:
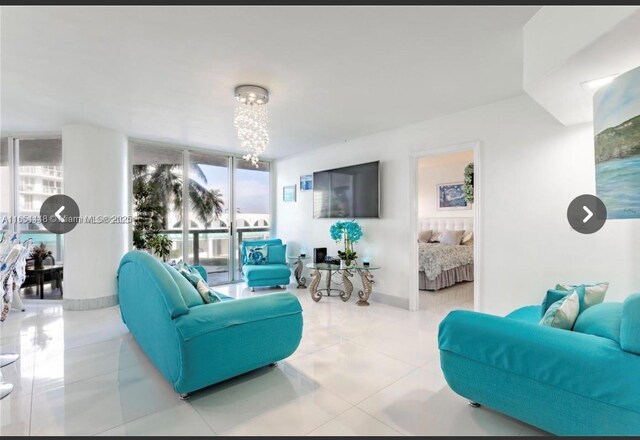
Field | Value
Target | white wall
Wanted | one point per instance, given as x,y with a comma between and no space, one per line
532,167
434,170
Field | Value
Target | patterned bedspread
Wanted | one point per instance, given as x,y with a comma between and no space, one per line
436,257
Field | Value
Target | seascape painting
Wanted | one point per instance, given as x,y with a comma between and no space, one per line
451,196
616,120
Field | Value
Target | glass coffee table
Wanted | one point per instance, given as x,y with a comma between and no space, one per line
333,270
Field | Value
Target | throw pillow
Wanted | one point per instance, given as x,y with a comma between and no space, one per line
277,254
435,237
196,280
563,313
594,293
467,237
257,254
554,295
425,236
188,291
451,237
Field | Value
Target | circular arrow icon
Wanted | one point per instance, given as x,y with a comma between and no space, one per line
59,214
587,214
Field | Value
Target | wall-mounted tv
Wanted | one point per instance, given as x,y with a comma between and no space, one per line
348,192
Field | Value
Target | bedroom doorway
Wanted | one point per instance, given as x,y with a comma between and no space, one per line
444,243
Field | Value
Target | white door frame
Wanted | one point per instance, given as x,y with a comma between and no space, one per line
414,294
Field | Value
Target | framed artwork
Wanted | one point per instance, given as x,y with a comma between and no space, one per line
451,197
616,123
289,193
306,182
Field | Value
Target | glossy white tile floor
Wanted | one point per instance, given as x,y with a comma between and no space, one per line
358,371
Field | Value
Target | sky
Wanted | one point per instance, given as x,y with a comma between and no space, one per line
617,102
252,188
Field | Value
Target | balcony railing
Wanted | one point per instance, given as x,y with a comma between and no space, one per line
210,248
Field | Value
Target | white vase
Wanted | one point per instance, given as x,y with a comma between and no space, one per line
343,265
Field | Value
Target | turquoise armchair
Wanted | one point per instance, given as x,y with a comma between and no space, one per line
202,344
581,383
275,273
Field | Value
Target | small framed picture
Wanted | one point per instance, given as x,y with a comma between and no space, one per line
289,193
306,182
451,197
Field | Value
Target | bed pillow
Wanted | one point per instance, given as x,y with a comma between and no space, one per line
425,236
594,293
451,237
435,237
563,313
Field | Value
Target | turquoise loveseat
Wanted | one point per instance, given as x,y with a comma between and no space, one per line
193,344
274,273
583,382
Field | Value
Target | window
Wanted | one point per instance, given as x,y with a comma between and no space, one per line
27,184
158,202
27,201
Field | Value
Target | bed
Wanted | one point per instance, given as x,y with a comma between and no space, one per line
443,265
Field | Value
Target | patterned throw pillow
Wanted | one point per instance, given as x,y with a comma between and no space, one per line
594,293
193,276
435,237
467,238
257,254
563,313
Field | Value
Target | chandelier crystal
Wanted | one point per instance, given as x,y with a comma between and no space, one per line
251,121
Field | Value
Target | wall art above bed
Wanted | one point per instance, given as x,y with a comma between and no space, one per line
451,197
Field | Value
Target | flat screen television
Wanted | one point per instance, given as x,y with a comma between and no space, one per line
348,192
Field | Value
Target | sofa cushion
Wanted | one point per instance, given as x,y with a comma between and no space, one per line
594,293
277,254
193,276
630,325
601,320
555,295
189,293
563,313
530,314
265,272
256,255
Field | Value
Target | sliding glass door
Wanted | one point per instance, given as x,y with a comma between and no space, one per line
209,219
30,172
225,201
252,199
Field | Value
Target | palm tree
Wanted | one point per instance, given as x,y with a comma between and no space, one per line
165,181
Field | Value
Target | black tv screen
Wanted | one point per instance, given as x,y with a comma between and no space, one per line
348,192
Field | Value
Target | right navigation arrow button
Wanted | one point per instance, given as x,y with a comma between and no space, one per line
589,214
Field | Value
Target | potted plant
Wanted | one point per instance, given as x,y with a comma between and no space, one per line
160,245
39,253
468,183
348,232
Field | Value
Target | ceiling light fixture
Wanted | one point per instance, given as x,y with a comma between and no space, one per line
251,121
595,84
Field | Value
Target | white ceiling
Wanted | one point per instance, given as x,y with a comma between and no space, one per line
335,73
594,43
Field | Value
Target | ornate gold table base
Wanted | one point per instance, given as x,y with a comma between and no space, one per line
367,287
302,281
345,293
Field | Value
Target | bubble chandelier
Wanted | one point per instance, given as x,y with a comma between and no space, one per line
251,121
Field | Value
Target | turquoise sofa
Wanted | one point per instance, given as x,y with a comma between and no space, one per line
264,275
194,344
583,382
